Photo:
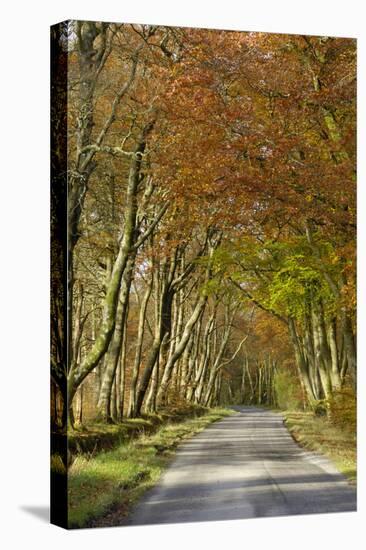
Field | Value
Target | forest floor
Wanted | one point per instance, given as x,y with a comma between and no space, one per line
318,434
102,488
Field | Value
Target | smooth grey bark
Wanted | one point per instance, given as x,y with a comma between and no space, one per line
345,317
116,393
138,351
167,285
349,346
301,362
113,399
335,373
114,350
214,366
203,367
185,367
77,323
260,376
200,305
94,44
190,360
122,366
150,403
242,385
162,327
218,386
322,353
252,389
91,57
202,363
307,345
219,361
100,346
167,346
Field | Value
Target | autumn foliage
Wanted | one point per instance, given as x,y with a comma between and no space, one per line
212,219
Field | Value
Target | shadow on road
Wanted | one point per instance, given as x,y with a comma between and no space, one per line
245,466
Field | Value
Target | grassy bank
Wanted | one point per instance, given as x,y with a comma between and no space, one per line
102,488
320,435
95,436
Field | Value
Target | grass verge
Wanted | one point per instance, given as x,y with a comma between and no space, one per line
103,488
96,436
320,435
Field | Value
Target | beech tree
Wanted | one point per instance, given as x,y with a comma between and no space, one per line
211,184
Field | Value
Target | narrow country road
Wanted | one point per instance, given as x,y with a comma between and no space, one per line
244,466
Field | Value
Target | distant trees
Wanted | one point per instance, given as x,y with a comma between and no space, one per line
211,181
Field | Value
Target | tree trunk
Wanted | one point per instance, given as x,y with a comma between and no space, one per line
322,354
350,347
203,360
100,346
104,401
122,366
335,359
131,413
242,385
201,303
301,363
150,402
162,328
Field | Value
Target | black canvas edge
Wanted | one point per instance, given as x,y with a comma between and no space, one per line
58,253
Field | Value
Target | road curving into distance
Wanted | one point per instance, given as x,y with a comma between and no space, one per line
244,466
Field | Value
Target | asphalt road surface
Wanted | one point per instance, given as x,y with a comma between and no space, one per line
244,466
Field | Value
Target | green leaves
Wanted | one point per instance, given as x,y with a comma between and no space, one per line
283,276
293,286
